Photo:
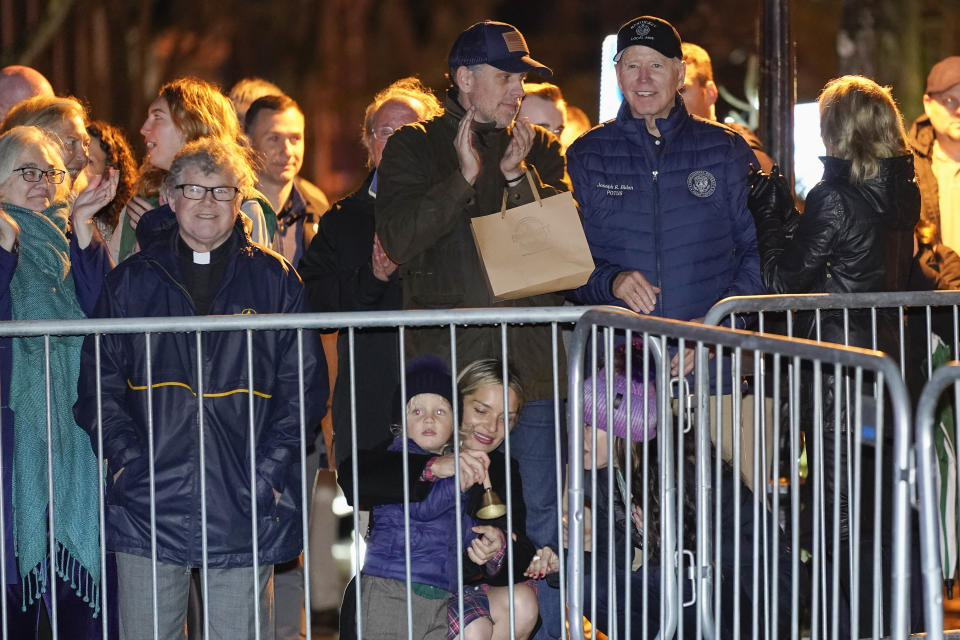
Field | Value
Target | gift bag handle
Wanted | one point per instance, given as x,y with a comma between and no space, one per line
533,188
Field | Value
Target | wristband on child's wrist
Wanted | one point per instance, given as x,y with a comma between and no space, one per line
428,475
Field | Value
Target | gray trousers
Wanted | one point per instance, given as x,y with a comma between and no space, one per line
384,603
231,601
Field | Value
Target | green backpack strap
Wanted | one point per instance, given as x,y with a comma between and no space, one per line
269,215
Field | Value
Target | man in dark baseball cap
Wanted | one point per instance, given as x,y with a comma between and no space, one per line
497,44
433,178
649,67
663,196
935,139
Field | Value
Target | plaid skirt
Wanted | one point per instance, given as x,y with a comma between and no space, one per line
476,605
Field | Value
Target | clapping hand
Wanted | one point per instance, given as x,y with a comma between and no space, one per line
521,140
466,153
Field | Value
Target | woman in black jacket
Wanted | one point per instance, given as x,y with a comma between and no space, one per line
856,235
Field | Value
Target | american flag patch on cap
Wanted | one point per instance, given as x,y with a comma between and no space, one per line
514,41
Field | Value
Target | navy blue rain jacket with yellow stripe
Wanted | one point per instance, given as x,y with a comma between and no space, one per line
148,284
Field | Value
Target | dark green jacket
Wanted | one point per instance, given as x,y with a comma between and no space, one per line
423,213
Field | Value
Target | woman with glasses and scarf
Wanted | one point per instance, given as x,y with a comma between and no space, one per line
47,272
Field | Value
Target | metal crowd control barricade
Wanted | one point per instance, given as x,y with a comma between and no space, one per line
826,559
927,335
197,328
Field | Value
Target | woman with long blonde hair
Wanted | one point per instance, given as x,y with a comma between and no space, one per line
855,236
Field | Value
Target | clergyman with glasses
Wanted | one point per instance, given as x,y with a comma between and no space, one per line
179,412
935,141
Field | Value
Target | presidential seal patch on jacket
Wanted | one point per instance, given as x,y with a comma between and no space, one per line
701,183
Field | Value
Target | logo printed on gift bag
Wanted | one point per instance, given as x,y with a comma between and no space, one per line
531,236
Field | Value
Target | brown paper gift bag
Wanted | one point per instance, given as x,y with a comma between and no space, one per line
535,248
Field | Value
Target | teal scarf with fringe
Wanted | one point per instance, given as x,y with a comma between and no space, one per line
42,288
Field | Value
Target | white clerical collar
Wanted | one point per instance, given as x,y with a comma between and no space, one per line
201,257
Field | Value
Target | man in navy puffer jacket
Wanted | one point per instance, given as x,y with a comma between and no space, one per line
663,193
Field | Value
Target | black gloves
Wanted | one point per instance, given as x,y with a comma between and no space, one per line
771,203
770,194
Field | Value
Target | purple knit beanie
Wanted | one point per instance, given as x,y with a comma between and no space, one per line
640,427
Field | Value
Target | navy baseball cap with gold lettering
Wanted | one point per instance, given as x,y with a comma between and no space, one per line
497,44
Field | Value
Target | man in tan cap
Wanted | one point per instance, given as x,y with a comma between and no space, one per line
935,139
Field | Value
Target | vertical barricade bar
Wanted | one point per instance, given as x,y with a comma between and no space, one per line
52,585
254,528
900,420
504,356
306,484
927,485
201,445
666,582
611,568
458,506
575,401
153,486
101,507
406,487
558,468
351,339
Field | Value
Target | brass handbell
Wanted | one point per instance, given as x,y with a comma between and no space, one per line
491,506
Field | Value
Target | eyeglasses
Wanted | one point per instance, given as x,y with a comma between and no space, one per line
33,174
382,133
198,192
